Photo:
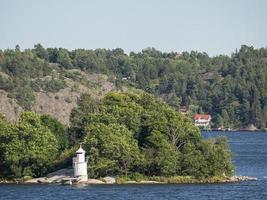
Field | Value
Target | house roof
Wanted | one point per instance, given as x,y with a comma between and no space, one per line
202,116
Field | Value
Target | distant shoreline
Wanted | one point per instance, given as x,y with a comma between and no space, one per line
236,130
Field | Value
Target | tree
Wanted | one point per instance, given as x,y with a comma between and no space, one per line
17,47
194,162
79,117
63,58
124,109
161,157
29,147
181,131
86,60
226,119
175,102
130,132
220,121
52,55
40,51
4,129
24,96
221,158
57,129
112,150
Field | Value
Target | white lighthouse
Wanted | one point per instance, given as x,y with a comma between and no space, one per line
80,165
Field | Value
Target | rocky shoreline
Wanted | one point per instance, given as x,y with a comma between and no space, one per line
64,176
65,180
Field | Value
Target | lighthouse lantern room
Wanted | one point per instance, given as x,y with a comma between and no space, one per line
80,165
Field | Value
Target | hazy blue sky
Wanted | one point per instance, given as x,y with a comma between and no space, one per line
213,26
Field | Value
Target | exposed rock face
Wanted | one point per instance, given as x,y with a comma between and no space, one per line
8,107
54,177
61,103
252,127
58,105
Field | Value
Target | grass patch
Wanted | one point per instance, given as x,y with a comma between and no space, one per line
172,180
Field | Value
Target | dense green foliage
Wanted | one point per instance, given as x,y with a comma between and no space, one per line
129,133
33,146
111,150
233,89
26,147
22,71
58,130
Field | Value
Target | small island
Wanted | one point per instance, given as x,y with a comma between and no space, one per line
132,136
78,175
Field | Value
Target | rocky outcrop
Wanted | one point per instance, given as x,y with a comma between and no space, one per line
8,107
130,182
59,104
54,177
150,182
242,178
109,180
66,176
61,172
93,181
251,127
37,180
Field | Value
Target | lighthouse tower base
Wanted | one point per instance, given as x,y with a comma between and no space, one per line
80,171
83,178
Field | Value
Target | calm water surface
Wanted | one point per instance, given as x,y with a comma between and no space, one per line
250,159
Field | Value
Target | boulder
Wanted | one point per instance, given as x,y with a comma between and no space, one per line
242,178
56,179
94,181
130,182
149,182
36,180
110,180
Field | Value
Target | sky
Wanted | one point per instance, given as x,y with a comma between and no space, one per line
212,26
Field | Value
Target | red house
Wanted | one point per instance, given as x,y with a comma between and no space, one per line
202,121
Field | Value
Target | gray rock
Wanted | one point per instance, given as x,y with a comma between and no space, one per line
110,180
54,177
130,182
149,182
94,181
242,178
36,180
61,172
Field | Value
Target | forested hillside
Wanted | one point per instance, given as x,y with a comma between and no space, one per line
233,89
